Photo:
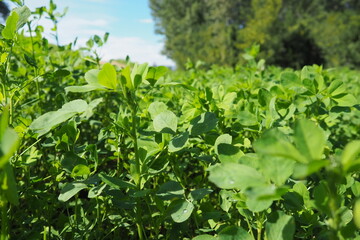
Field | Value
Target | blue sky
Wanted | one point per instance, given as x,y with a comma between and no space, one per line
129,22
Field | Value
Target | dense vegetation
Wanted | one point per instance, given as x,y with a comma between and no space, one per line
91,151
292,33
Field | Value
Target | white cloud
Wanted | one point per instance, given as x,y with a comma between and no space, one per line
147,20
81,22
68,31
138,49
71,27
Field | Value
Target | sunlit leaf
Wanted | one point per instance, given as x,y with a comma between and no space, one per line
8,185
155,108
24,13
246,118
180,210
204,237
233,175
70,190
260,198
114,182
274,143
309,139
280,226
80,171
347,100
277,169
8,145
96,191
166,122
154,73
107,76
234,233
356,213
47,121
351,155
10,28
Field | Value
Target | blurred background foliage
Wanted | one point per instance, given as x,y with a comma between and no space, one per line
291,33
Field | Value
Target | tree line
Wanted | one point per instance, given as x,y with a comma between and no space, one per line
291,33
4,10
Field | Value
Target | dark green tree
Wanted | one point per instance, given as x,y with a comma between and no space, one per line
319,31
291,33
199,30
4,10
261,27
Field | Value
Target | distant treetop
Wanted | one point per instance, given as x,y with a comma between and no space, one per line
291,33
4,10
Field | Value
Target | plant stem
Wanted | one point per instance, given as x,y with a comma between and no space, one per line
140,231
176,170
259,228
44,233
76,212
136,152
250,227
4,221
98,217
259,233
334,205
11,111
118,156
134,125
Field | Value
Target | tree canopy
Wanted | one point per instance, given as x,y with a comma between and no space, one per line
4,10
291,33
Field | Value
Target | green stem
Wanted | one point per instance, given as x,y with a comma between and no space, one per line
118,159
196,221
11,111
3,90
259,233
138,179
334,204
177,173
44,236
130,98
98,217
140,231
118,162
49,221
134,125
76,212
4,221
259,228
250,227
136,151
